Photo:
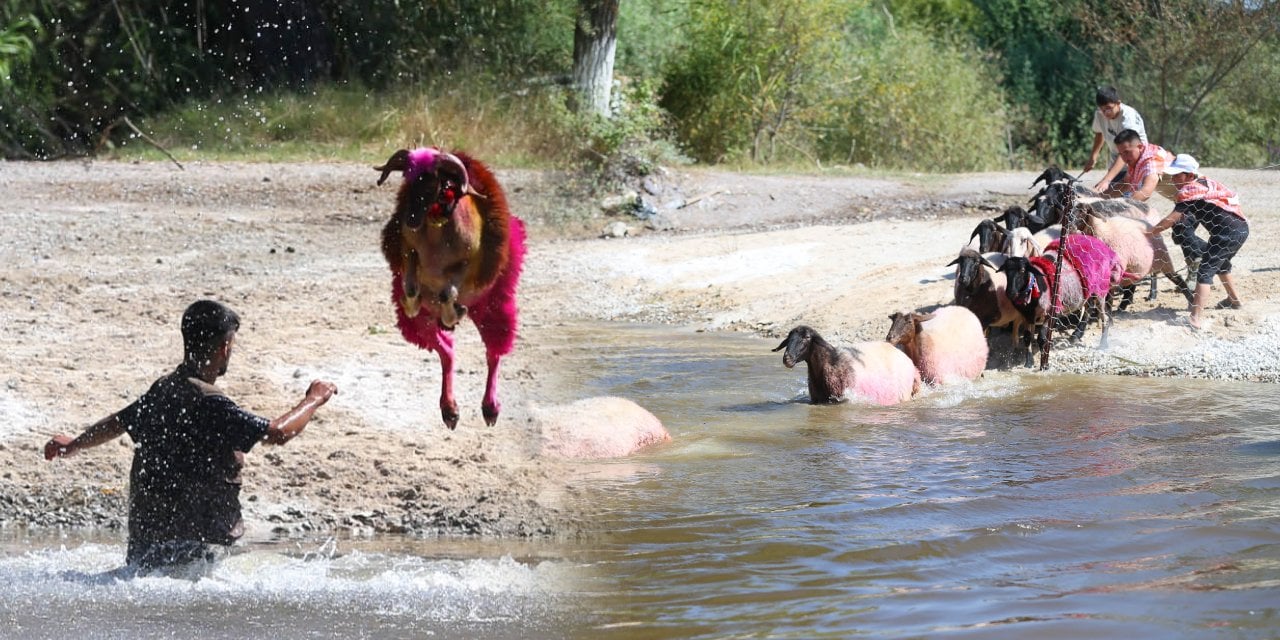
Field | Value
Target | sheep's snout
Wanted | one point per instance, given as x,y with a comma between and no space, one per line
788,358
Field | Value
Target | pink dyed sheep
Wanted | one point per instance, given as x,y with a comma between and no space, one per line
873,371
602,427
455,250
1140,252
946,345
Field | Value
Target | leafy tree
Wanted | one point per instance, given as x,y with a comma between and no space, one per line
752,75
1181,53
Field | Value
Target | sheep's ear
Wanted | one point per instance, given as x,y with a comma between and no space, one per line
922,317
399,161
988,263
1035,219
782,346
954,262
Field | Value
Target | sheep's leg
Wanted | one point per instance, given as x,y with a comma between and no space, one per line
448,405
410,301
490,406
1030,360
1042,338
1126,297
495,318
1082,321
1152,295
1106,323
1181,285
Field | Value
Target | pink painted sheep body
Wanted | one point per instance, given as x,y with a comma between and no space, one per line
947,345
873,371
600,427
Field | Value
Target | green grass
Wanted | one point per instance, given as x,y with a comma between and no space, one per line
349,124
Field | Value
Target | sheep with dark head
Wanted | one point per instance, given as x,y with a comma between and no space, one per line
1141,252
874,371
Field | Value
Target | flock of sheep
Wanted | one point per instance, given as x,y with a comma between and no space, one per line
1060,261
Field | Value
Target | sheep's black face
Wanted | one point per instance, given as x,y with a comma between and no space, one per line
990,236
1018,275
797,346
966,271
1013,217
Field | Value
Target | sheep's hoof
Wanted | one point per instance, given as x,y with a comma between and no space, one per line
490,414
450,417
411,306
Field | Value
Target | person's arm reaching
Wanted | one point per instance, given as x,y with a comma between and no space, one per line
293,421
104,430
1110,174
1093,155
1143,193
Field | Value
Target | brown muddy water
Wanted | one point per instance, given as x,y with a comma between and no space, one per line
1024,505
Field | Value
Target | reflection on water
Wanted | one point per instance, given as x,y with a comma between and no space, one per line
1022,505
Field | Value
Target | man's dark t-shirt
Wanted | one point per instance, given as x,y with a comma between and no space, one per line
190,442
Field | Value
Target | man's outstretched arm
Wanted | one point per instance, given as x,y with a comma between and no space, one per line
289,425
104,430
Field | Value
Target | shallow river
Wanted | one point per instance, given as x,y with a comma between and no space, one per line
1021,506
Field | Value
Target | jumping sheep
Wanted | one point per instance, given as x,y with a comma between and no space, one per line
874,371
454,250
946,345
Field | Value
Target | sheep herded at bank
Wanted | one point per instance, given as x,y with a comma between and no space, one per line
874,371
947,345
980,288
1082,279
455,250
1140,252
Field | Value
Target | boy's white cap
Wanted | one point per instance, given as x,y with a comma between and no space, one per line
1182,163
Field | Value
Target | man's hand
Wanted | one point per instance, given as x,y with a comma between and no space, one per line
321,390
59,446
1088,165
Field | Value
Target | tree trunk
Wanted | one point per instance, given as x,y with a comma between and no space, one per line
595,39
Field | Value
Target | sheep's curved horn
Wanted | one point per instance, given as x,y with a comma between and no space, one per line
399,161
453,167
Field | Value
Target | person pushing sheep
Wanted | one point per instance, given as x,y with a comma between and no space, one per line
1207,202
189,446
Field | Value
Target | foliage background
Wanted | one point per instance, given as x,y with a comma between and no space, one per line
926,85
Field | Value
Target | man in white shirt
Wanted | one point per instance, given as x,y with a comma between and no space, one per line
1110,118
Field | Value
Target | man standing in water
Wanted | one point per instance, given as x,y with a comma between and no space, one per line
190,441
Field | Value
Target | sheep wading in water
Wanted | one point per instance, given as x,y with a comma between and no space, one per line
947,345
455,250
874,371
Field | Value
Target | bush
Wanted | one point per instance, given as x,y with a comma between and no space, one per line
918,103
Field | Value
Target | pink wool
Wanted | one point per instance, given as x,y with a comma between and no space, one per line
600,427
952,346
493,310
883,374
1099,267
